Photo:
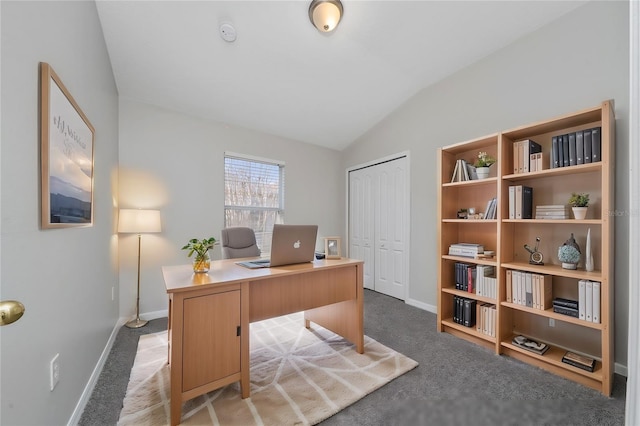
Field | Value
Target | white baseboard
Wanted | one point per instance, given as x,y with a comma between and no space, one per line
422,305
621,369
88,389
155,315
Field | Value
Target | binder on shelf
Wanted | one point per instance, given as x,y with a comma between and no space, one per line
555,158
565,150
587,145
596,302
529,147
572,149
528,298
582,299
508,286
579,148
596,145
512,202
588,305
518,202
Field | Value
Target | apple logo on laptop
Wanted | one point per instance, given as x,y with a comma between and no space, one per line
296,244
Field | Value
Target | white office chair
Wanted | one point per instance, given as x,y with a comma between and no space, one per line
239,242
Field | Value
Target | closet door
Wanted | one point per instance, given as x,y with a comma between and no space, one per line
361,221
391,204
378,224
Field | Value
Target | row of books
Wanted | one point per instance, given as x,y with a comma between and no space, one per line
555,211
486,319
463,171
464,311
529,289
589,299
575,148
520,202
490,211
580,361
522,152
476,279
466,249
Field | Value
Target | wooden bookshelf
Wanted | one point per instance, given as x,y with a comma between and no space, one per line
507,237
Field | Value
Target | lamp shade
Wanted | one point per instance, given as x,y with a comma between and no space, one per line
325,14
138,221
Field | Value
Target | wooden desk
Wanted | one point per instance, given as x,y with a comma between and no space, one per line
209,316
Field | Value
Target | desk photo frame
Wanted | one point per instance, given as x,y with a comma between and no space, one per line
332,248
66,156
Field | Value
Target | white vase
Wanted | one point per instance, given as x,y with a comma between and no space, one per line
579,213
482,172
588,257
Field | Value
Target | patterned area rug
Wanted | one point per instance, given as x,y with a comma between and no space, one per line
298,376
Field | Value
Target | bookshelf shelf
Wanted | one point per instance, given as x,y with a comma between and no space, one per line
506,237
548,313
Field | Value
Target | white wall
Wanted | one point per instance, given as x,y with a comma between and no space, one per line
573,63
175,163
63,276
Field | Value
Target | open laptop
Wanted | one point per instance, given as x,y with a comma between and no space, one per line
290,244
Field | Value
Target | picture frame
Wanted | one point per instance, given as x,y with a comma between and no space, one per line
66,156
332,248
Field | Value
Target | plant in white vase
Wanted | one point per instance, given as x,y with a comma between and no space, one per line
482,164
579,203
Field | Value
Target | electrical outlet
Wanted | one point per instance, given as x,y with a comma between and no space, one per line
54,371
552,322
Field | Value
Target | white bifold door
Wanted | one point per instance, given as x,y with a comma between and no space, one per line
379,224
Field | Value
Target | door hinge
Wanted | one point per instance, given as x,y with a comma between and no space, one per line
238,331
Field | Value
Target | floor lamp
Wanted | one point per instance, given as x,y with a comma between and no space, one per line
134,221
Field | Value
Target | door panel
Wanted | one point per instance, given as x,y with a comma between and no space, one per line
378,221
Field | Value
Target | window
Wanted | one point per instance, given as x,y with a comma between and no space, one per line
254,195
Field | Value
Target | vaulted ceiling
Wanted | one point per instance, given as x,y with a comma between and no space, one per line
284,77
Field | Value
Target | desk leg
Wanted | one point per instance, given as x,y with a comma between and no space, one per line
175,357
245,365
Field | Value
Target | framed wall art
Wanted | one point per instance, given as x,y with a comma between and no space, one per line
332,248
66,156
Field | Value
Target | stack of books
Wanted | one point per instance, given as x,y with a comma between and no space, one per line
529,289
583,362
565,307
465,249
520,202
555,211
464,311
530,345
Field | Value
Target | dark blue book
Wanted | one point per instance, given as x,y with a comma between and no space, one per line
579,148
554,153
565,150
596,145
572,149
587,145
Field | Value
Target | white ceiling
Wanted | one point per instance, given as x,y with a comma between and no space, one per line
283,77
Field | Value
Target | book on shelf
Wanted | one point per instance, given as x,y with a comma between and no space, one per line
464,311
529,289
490,211
530,345
586,135
463,171
521,198
579,148
567,303
580,361
554,211
565,150
596,145
554,158
572,149
537,161
589,300
465,249
486,319
565,311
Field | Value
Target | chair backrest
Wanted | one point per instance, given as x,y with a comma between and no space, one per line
239,242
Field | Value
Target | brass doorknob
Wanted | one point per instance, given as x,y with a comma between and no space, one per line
10,311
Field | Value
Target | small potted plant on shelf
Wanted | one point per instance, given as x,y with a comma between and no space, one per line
202,260
579,203
482,164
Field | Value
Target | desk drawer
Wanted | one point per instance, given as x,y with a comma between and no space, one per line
285,295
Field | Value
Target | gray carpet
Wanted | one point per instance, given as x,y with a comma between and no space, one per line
456,383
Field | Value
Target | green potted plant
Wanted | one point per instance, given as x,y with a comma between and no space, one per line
482,164
202,260
579,203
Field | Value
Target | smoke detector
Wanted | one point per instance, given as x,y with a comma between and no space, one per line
228,32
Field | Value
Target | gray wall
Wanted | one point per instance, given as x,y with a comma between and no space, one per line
63,276
573,63
175,163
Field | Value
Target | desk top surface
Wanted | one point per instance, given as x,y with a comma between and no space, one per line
182,278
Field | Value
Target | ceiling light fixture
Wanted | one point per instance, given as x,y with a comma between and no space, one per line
325,14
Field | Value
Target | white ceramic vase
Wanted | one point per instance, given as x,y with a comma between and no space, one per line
588,257
482,172
579,213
